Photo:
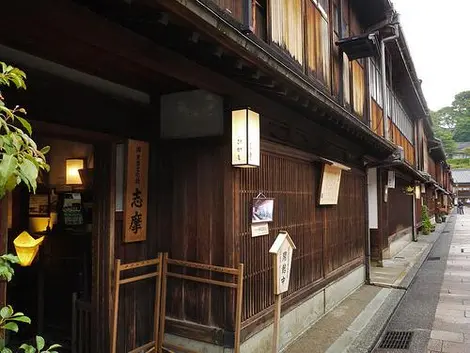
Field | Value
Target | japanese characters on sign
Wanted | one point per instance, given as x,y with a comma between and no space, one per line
331,180
245,138
391,179
282,250
259,229
418,192
136,192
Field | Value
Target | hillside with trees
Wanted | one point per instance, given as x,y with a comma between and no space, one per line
452,125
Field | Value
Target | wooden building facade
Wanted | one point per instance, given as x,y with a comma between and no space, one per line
171,73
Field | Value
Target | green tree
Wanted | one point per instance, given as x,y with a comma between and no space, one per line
462,130
450,146
461,104
444,119
20,162
451,124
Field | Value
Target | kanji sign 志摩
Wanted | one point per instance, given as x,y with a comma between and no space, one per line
136,191
282,250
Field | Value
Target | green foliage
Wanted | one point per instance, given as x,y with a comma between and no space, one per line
21,160
450,146
467,151
459,163
9,319
426,221
462,130
6,269
452,124
40,345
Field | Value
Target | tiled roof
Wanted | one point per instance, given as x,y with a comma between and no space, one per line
461,176
462,145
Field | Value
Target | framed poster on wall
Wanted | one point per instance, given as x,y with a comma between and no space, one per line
262,211
39,205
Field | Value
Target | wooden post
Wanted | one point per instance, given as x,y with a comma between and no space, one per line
117,273
238,309
277,322
161,329
156,310
281,252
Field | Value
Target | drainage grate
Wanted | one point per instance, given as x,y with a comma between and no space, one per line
397,340
434,258
445,231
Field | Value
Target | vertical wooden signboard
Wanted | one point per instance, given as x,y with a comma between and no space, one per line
136,191
281,251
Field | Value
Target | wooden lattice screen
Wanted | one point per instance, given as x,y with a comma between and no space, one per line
326,237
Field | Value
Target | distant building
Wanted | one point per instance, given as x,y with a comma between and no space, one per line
461,184
460,151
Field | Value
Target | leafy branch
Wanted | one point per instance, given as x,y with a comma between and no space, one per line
21,160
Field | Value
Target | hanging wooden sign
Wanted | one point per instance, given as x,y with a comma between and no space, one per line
136,191
330,182
391,179
418,192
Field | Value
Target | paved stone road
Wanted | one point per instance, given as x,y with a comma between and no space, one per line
451,328
417,310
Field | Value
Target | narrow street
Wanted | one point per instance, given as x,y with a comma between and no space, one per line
434,315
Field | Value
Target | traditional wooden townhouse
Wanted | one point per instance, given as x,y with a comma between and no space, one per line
417,174
202,129
461,185
438,176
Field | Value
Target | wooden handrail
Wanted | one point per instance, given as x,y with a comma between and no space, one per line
228,270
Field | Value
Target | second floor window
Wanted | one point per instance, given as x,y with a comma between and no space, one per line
318,40
286,26
346,80
375,81
359,87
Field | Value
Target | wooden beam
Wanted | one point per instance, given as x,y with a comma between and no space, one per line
26,60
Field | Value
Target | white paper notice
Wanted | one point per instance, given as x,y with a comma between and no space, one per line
258,229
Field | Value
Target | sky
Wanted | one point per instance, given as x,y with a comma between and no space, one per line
437,34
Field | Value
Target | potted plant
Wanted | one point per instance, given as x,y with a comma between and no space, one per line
426,221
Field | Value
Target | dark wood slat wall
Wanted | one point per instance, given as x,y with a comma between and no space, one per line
432,167
192,201
400,215
103,243
186,218
326,237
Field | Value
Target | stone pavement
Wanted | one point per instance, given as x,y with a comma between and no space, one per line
395,270
451,329
356,324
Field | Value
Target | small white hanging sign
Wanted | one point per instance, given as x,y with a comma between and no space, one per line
258,229
391,179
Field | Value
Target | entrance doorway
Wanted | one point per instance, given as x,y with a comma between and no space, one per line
56,290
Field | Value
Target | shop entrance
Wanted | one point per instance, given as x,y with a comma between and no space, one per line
56,290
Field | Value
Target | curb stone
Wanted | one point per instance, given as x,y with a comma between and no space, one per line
371,334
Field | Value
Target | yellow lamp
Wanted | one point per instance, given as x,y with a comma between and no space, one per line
26,248
72,167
